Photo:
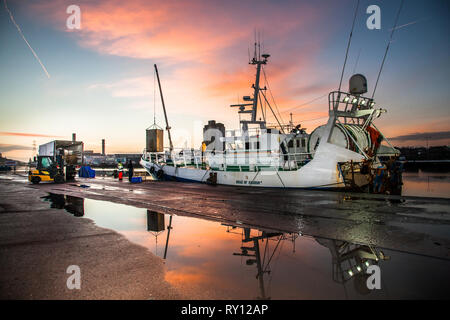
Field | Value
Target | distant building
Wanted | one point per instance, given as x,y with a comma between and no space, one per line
99,160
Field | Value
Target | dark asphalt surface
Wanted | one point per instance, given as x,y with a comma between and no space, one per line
37,243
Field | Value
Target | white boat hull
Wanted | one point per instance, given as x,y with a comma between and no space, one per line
321,172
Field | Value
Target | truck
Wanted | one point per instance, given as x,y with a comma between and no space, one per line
57,161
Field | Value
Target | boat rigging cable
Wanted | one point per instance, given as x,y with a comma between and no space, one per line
387,47
305,103
357,60
271,95
348,46
273,112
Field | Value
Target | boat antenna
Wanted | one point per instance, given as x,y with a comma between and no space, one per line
348,46
154,97
387,47
259,45
164,108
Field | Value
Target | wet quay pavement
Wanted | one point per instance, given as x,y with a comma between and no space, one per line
410,224
218,242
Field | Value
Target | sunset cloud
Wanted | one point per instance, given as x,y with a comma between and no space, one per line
25,134
131,87
203,39
13,147
432,136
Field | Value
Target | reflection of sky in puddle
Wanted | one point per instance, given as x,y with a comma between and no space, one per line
201,261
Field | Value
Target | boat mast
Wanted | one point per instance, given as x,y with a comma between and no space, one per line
256,60
164,108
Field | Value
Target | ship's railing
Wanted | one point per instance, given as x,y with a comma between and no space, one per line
239,160
178,157
347,102
250,132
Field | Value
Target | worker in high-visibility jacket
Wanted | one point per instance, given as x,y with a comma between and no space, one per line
203,152
120,169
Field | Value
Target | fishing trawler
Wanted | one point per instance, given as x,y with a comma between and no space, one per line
343,153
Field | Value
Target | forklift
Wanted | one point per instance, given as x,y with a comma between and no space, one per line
56,162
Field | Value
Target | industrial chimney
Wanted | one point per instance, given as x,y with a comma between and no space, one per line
103,146
74,137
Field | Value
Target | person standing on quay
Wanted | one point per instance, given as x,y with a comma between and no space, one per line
130,170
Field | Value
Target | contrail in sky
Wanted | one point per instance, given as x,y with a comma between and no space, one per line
21,33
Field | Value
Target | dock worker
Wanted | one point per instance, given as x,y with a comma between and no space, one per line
203,152
120,168
130,170
378,181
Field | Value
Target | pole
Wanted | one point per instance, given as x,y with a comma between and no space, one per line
164,108
255,94
168,235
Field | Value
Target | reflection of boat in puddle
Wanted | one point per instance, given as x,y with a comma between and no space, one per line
73,205
203,256
351,261
254,252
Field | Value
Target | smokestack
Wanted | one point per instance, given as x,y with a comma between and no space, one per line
103,146
74,137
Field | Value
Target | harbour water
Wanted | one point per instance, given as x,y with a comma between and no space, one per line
426,184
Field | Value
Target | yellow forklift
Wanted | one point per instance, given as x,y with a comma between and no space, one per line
57,161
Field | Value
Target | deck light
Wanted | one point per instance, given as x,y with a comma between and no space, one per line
350,272
346,98
354,100
358,268
363,102
372,104
367,263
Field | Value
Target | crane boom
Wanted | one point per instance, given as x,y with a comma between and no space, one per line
164,108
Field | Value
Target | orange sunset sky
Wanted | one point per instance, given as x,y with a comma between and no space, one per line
101,78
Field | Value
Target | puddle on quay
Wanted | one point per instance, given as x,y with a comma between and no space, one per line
213,260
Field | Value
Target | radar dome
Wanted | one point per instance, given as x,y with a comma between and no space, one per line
358,84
